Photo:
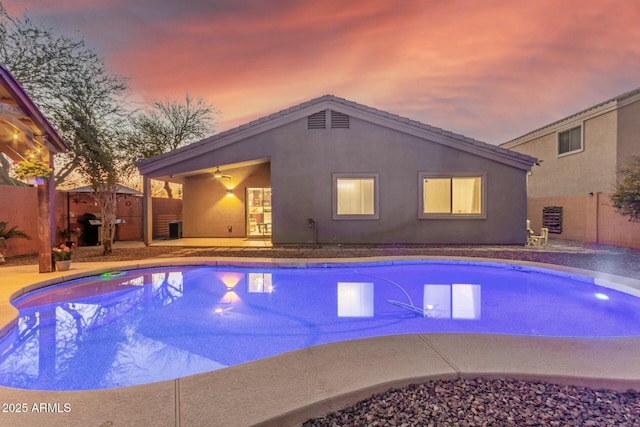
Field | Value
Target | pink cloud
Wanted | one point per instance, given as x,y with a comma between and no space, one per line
490,70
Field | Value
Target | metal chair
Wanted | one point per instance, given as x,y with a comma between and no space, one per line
530,234
540,240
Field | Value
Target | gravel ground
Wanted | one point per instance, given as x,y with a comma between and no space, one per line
609,259
494,403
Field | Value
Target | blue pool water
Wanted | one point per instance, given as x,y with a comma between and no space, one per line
149,325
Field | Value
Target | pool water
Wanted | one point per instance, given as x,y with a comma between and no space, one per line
150,325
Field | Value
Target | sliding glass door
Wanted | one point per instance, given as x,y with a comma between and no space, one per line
258,212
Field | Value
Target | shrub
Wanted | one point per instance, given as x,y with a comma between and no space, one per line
626,199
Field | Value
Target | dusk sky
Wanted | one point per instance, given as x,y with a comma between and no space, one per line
490,70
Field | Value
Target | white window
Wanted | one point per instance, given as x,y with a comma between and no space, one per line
570,141
459,195
355,196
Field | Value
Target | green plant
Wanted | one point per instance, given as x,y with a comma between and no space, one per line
626,199
8,233
33,167
61,253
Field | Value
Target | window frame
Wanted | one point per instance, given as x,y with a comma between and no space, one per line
565,130
422,175
355,175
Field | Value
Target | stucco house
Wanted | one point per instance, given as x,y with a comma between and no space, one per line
579,159
336,172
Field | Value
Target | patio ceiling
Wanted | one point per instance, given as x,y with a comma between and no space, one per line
180,177
22,126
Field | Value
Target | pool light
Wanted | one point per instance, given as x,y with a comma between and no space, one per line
601,296
111,274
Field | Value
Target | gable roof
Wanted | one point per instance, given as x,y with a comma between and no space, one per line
604,106
383,118
19,111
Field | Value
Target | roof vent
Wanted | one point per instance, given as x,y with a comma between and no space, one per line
317,120
339,120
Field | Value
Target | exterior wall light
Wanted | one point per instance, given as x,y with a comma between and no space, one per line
218,174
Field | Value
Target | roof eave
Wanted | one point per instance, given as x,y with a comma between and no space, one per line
584,114
446,138
158,163
161,161
54,142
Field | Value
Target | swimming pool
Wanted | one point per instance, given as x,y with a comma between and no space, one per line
143,326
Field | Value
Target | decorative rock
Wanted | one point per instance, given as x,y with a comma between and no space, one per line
482,402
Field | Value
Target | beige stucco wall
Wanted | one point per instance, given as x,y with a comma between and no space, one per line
578,215
591,170
628,131
209,212
611,136
587,219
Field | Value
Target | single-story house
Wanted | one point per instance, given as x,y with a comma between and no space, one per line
336,172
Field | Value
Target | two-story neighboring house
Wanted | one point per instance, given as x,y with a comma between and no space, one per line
578,161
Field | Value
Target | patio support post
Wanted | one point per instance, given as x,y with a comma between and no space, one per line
147,211
46,222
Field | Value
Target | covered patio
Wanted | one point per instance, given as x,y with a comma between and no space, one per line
24,128
223,202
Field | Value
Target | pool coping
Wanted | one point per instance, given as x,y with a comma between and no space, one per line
290,388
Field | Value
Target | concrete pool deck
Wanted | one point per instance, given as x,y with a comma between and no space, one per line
290,388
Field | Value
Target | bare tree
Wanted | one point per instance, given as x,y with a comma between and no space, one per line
40,60
99,166
93,120
73,88
168,125
49,67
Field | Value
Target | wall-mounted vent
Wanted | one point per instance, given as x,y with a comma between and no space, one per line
552,218
317,120
339,120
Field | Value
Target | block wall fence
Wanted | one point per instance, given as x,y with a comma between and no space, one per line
18,206
587,218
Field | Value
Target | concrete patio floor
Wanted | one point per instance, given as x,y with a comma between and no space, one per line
290,388
207,242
